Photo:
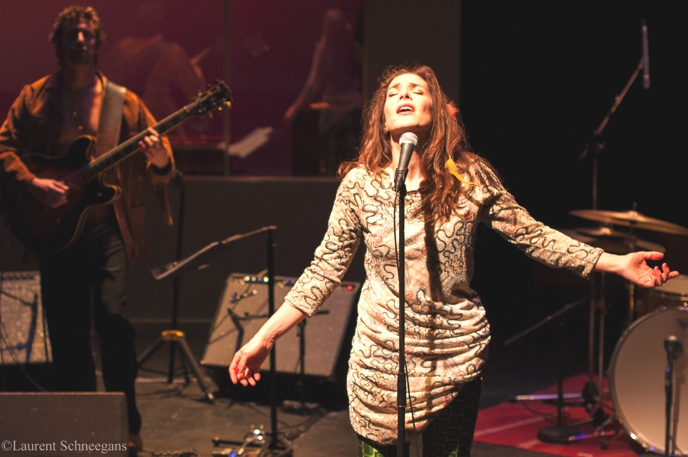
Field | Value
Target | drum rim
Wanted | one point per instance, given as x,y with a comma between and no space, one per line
664,288
634,434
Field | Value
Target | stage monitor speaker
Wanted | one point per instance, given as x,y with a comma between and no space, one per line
24,334
244,306
64,423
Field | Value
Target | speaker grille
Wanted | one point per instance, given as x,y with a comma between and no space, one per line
24,334
244,305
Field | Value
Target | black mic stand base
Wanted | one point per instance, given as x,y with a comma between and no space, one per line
257,443
561,435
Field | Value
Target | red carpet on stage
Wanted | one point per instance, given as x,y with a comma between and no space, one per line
517,424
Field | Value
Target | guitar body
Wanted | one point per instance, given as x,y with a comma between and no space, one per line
46,229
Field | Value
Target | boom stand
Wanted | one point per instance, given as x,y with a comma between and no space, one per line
596,146
274,445
302,407
174,336
559,433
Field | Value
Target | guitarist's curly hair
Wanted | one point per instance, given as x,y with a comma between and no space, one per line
73,14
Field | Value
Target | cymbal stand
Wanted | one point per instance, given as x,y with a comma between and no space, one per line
631,240
598,310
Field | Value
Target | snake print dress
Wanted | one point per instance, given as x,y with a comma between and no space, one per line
446,331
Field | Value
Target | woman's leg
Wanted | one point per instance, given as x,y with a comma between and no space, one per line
451,433
369,448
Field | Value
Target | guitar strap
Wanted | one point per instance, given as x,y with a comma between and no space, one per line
110,118
109,128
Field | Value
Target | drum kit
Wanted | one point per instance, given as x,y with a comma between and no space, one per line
648,372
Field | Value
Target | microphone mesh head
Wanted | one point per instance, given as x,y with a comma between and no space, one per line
409,137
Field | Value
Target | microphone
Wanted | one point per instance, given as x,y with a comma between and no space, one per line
408,142
673,347
646,57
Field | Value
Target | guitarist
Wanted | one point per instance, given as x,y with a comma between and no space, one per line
85,282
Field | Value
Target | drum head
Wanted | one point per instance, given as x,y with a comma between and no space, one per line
637,379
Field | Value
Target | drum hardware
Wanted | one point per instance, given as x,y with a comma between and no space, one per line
611,240
632,219
616,242
673,293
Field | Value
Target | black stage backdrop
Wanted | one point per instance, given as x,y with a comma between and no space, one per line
537,79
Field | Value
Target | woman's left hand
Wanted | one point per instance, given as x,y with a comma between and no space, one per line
634,268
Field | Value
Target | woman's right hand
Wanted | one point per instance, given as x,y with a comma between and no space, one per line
49,192
245,366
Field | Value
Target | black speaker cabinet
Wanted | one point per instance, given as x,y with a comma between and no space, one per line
63,424
23,332
243,309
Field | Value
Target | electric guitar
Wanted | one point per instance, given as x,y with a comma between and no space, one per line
46,229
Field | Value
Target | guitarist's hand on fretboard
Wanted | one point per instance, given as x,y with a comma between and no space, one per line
152,146
50,192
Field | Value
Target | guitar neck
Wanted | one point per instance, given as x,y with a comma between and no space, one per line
213,97
127,148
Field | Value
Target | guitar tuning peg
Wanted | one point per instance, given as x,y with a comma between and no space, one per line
219,109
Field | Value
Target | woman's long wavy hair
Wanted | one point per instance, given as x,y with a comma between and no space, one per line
447,139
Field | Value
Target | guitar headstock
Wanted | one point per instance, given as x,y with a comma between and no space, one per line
218,96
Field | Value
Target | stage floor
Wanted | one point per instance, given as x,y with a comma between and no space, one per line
178,418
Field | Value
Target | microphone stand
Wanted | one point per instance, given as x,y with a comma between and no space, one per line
561,433
272,444
401,377
596,304
596,145
674,350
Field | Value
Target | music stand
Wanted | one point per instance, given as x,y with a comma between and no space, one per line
196,261
173,335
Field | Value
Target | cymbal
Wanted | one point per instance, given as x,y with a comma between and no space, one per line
631,219
612,241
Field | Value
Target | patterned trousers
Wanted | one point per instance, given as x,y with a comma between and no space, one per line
449,435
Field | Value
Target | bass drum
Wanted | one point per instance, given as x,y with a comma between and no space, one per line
637,376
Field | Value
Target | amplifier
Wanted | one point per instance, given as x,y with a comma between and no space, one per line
243,309
23,331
